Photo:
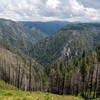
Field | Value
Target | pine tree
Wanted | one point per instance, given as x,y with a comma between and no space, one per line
83,70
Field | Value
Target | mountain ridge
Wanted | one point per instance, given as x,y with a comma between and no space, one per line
18,36
70,41
49,27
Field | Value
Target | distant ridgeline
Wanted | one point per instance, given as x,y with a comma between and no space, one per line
46,27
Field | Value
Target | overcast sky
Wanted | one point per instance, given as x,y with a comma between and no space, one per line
47,10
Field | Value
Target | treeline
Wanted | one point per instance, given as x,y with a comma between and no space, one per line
78,76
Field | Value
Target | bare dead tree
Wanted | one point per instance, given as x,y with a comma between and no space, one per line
19,69
30,75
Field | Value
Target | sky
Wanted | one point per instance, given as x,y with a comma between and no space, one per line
49,10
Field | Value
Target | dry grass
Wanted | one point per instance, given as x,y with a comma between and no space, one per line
20,95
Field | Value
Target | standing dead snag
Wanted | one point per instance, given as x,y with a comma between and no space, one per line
30,74
19,68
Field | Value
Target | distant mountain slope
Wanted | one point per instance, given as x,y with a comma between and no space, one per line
46,27
18,36
70,41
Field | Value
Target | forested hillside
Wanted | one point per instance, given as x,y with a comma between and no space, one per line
65,63
19,37
21,71
76,76
68,42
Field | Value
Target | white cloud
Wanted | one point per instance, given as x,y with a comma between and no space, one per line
52,4
44,10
